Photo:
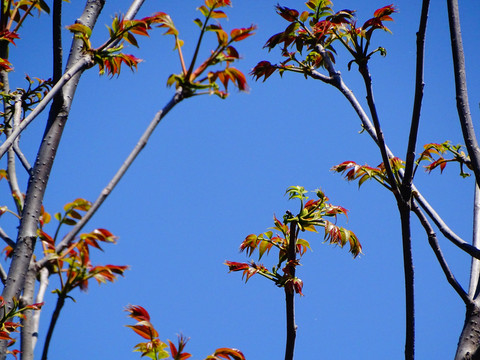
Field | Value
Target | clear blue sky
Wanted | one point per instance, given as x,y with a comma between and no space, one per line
216,171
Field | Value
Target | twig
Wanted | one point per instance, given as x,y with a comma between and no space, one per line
363,69
6,238
22,158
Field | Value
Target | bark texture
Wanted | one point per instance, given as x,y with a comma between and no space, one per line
469,345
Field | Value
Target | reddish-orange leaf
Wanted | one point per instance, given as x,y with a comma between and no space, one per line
384,12
229,354
287,13
263,68
138,313
144,329
236,266
242,33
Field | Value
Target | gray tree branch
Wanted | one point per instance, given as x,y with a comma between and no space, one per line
59,111
459,72
474,286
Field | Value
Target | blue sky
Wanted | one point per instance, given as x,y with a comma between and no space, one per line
216,170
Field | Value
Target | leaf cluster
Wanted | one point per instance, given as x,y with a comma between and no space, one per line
433,153
156,349
312,214
196,78
311,35
73,264
7,323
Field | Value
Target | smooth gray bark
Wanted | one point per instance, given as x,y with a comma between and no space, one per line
38,181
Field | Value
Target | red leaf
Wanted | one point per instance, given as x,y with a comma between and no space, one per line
226,353
263,68
242,33
138,313
384,12
288,14
144,329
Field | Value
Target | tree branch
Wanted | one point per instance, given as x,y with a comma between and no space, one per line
42,288
3,275
290,294
368,127
444,229
6,238
53,322
22,158
404,210
432,240
11,168
417,104
459,72
474,287
363,69
57,40
27,333
27,233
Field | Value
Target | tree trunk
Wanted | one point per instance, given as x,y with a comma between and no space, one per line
469,343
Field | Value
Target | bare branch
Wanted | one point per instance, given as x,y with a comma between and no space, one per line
417,104
27,234
432,239
290,295
444,229
364,71
3,275
21,157
6,238
11,168
473,289
459,71
44,274
27,333
134,9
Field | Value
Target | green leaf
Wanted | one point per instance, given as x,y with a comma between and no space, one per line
43,5
80,28
198,22
204,10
